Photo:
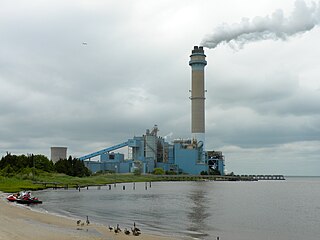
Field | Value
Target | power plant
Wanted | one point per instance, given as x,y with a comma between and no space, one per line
151,151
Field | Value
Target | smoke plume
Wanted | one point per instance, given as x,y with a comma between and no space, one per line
302,19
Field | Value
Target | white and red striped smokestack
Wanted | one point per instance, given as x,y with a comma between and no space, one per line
197,63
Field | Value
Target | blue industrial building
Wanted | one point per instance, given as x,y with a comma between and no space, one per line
150,151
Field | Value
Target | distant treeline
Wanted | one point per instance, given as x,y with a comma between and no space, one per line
23,165
72,167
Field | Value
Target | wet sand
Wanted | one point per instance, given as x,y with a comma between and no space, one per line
19,222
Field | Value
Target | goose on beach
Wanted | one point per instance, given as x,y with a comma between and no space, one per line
126,232
87,221
78,222
135,228
118,228
110,228
136,233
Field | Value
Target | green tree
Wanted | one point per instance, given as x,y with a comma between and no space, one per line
61,166
43,163
18,163
8,171
72,167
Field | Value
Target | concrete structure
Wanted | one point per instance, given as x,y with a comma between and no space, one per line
150,151
58,153
197,63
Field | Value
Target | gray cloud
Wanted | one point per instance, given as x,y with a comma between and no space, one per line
133,73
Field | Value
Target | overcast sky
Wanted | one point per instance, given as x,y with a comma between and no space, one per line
263,95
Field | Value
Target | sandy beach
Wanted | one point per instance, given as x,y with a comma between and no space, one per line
19,222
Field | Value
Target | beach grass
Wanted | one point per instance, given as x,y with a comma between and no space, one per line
17,183
42,180
14,184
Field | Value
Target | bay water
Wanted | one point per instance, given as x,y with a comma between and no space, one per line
262,210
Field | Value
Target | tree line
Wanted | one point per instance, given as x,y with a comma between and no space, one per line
11,165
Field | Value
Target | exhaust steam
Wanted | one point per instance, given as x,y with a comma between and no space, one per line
275,27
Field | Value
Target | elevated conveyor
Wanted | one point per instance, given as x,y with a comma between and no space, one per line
109,149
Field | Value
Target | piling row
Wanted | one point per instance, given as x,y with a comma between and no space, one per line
57,185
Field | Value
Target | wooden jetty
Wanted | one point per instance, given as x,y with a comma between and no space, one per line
267,177
54,185
183,177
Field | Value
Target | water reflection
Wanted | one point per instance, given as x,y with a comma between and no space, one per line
198,212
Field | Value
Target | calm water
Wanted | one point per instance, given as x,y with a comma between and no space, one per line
280,210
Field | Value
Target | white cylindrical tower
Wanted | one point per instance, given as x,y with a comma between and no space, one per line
197,63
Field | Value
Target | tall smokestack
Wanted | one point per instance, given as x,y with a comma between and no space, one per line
197,63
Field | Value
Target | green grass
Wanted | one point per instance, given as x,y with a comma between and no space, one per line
15,185
29,182
18,182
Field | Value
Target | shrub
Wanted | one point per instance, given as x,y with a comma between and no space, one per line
137,172
171,172
158,171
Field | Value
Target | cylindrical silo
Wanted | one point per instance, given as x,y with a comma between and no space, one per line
58,153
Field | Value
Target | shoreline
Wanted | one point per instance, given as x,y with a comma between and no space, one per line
19,222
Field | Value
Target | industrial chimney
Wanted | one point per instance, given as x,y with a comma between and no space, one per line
197,63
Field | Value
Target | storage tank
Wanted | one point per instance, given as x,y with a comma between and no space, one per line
58,153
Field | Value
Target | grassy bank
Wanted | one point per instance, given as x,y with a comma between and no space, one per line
18,183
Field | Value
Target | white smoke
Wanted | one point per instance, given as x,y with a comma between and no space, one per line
276,26
168,136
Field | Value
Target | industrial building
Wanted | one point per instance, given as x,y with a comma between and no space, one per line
151,151
58,153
